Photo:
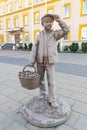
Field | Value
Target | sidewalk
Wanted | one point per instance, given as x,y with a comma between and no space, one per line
12,97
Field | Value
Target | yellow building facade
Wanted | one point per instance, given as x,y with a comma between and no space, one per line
20,19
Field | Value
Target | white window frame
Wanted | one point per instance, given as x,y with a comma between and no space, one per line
84,33
66,11
85,7
16,4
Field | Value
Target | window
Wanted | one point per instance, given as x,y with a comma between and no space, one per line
25,19
8,23
9,38
36,17
17,38
16,21
8,8
83,32
67,36
67,10
11,6
38,1
83,7
3,9
1,26
21,38
50,10
20,3
0,11
36,32
26,3
26,37
16,4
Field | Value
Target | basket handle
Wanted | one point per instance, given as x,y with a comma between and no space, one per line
29,66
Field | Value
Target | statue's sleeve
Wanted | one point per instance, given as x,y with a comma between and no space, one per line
63,31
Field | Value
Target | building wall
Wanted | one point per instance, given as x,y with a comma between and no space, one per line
76,21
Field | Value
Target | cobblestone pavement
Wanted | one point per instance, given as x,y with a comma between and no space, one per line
72,88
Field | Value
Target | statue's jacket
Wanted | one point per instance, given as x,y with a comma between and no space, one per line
38,48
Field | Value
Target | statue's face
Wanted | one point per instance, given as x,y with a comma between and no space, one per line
47,23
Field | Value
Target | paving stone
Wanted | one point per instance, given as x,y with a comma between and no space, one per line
70,101
59,85
79,97
3,99
80,107
26,99
64,127
10,106
31,127
3,87
63,92
9,91
83,85
16,126
81,123
76,89
72,88
73,118
85,92
19,117
5,120
18,95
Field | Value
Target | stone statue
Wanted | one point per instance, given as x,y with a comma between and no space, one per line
47,110
44,53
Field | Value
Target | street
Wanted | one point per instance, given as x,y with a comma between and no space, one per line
69,63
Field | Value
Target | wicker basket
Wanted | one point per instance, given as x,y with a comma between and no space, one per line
29,79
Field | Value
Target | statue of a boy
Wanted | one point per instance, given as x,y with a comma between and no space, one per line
44,53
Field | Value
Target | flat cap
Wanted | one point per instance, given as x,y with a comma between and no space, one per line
47,15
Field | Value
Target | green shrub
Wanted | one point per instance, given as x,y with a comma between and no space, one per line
58,47
25,46
84,47
20,47
66,48
74,47
30,45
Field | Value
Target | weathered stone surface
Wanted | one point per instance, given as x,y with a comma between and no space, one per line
40,113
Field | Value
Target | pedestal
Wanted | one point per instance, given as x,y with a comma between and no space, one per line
40,113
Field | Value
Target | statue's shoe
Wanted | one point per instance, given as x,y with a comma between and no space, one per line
54,104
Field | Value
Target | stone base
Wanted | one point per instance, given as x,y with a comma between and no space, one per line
40,113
